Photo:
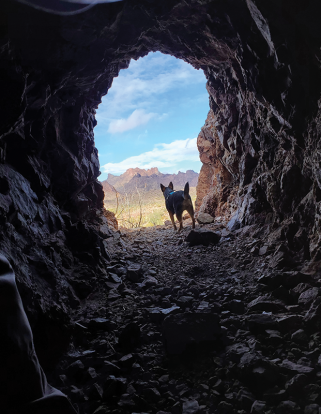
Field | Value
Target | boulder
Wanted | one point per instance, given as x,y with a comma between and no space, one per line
190,407
204,218
182,330
129,337
202,237
134,272
308,296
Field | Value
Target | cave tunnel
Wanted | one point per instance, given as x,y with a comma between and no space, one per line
253,299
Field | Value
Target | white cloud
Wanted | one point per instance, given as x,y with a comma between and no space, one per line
144,84
162,156
138,117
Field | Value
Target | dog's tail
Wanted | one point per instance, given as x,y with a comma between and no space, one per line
186,191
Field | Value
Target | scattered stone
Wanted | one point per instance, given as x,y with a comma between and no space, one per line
299,336
296,384
274,396
258,407
182,330
263,250
150,281
103,409
271,279
204,218
99,323
300,288
184,301
225,407
134,272
235,351
76,368
202,237
169,311
290,323
92,373
114,387
263,303
236,306
261,322
295,368
258,354
190,407
288,407
114,278
96,392
312,409
293,278
155,314
234,223
129,337
308,296
126,361
245,399
313,393
151,394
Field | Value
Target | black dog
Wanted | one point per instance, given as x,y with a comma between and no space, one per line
176,202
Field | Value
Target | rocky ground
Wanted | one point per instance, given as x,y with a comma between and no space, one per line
184,328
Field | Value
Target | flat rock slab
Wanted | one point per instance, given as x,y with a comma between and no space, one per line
134,273
308,296
261,322
190,407
266,304
290,323
181,330
295,368
202,237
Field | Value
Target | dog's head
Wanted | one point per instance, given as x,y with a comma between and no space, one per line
168,189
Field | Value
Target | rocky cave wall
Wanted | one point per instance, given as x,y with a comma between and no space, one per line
260,147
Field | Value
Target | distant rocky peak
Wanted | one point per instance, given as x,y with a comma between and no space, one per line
131,172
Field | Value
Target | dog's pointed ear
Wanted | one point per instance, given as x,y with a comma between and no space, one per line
162,187
170,185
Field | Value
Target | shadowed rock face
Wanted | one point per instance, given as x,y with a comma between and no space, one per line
262,66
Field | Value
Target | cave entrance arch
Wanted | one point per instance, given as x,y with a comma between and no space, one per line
149,122
261,62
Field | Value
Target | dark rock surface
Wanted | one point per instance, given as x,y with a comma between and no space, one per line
185,344
82,283
264,87
202,237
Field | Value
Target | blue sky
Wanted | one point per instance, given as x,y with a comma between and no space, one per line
152,116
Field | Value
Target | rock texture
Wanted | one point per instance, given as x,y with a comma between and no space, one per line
262,63
215,331
120,180
216,190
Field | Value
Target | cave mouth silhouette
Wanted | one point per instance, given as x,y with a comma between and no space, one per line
149,119
261,61
261,148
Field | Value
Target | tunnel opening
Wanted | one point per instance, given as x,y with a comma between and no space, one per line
146,135
112,292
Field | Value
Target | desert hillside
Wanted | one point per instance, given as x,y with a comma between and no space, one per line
148,180
136,198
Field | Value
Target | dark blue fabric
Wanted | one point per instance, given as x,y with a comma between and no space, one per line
23,384
64,7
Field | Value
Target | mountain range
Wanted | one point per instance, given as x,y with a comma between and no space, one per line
147,180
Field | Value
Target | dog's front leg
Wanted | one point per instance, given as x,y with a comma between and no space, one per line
171,215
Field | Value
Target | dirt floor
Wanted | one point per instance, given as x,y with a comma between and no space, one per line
195,329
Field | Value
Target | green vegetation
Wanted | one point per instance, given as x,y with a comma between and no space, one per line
140,208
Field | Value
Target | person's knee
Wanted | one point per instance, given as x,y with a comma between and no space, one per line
4,265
